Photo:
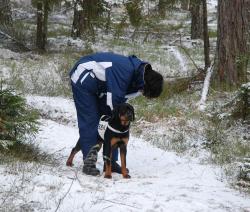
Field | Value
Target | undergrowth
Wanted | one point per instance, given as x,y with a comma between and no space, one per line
26,152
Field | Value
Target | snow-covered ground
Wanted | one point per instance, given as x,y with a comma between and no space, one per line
161,180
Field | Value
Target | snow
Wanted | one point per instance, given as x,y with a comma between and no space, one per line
8,54
51,108
56,44
161,180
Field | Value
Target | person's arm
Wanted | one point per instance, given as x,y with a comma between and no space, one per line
115,96
117,84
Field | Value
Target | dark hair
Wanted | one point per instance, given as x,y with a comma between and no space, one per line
153,82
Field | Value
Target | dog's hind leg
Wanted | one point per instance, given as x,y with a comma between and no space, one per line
74,151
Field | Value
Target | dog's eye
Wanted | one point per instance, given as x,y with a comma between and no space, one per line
124,119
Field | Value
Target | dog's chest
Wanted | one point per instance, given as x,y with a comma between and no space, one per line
108,130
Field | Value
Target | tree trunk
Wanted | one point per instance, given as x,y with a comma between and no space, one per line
196,19
45,23
42,23
185,4
78,15
232,41
86,14
162,6
39,30
108,23
5,13
205,35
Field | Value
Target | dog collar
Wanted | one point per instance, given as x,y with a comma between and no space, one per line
116,131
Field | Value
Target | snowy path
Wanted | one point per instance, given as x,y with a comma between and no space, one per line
161,181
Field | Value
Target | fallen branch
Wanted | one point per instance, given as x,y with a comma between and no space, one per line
202,103
15,40
189,56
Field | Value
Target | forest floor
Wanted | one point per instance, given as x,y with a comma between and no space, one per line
171,167
161,180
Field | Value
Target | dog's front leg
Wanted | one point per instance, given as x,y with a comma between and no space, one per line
123,153
108,170
107,161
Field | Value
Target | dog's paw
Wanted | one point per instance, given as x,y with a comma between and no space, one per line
127,176
69,163
108,176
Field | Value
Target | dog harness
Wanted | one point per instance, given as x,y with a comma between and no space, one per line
103,125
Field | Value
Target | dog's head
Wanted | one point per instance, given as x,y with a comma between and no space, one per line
124,114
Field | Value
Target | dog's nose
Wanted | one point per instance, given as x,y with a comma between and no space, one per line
124,121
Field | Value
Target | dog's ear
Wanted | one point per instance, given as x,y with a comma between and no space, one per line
115,113
132,111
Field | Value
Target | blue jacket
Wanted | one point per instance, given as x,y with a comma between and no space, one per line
118,76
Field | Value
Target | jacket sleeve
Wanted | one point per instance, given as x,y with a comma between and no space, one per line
117,84
122,79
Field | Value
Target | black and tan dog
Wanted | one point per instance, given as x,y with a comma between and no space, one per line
113,133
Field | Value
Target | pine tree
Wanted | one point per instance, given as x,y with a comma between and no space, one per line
17,120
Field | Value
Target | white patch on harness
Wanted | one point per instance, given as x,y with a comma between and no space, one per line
102,128
116,131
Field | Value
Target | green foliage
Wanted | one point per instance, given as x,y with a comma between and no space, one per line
242,61
212,34
236,107
120,27
51,2
225,144
225,150
160,107
134,12
17,120
241,107
173,87
58,30
26,152
164,5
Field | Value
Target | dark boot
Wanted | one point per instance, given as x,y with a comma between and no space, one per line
89,166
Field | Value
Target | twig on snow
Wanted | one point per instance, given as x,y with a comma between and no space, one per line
61,199
120,203
9,193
